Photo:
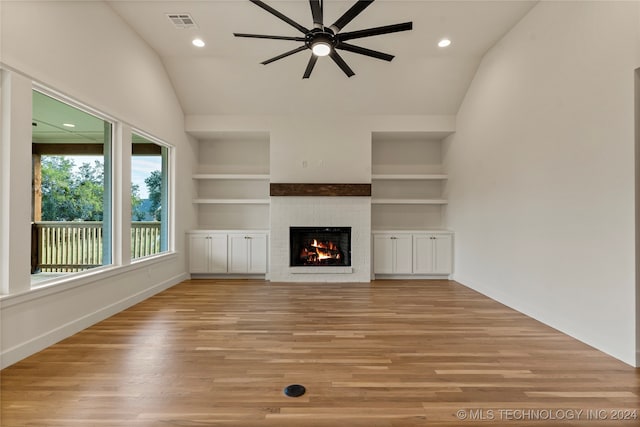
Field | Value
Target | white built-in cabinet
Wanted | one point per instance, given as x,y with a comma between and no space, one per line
408,188
417,253
392,253
432,253
227,252
207,252
231,198
247,253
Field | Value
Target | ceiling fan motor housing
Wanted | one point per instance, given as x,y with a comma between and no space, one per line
317,35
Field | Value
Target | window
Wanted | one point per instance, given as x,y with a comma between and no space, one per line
149,197
71,189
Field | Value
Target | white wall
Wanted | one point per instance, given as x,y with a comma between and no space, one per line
324,149
541,170
84,50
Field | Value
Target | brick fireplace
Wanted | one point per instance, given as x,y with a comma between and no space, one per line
320,206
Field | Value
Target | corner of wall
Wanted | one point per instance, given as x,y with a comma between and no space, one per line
637,185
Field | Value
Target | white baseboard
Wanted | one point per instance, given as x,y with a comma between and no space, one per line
410,277
39,343
260,276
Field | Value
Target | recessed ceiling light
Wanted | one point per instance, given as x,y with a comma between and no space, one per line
198,42
69,125
444,42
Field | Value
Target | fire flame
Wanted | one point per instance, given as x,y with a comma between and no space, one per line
328,245
321,251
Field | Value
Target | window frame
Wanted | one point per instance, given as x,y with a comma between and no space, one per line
167,204
111,184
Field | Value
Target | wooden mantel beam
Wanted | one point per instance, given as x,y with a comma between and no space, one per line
326,190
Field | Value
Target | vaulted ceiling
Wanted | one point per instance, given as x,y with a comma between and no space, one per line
226,77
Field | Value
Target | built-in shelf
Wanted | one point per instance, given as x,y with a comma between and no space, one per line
232,201
409,180
409,176
231,176
231,181
409,201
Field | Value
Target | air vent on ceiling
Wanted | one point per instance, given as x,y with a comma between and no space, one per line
182,21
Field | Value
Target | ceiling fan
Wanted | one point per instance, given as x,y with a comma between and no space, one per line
325,41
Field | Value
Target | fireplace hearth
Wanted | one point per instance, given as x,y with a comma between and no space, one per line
320,246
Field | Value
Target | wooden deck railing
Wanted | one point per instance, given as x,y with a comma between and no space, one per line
77,246
145,238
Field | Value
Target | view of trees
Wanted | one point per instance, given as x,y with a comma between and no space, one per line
154,185
72,193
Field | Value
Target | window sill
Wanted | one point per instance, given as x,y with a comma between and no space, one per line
63,284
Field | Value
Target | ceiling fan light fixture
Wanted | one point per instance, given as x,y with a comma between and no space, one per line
325,40
321,48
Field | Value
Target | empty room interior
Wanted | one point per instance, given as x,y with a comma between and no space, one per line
319,213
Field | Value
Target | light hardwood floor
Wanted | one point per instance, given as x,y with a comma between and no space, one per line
388,353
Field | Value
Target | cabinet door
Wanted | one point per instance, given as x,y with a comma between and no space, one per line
218,253
382,254
403,254
443,254
248,253
257,253
198,253
423,253
392,254
238,253
432,253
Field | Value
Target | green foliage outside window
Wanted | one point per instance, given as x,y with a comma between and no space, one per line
71,193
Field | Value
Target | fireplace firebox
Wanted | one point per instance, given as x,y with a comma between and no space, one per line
320,246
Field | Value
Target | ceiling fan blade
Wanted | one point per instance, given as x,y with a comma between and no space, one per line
405,26
365,51
284,55
264,36
316,11
280,15
343,65
310,65
348,16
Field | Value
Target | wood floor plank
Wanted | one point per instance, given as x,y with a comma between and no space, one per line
380,354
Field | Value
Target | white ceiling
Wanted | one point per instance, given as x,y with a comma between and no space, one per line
226,77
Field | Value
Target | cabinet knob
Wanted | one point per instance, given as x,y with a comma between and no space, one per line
393,238
247,237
